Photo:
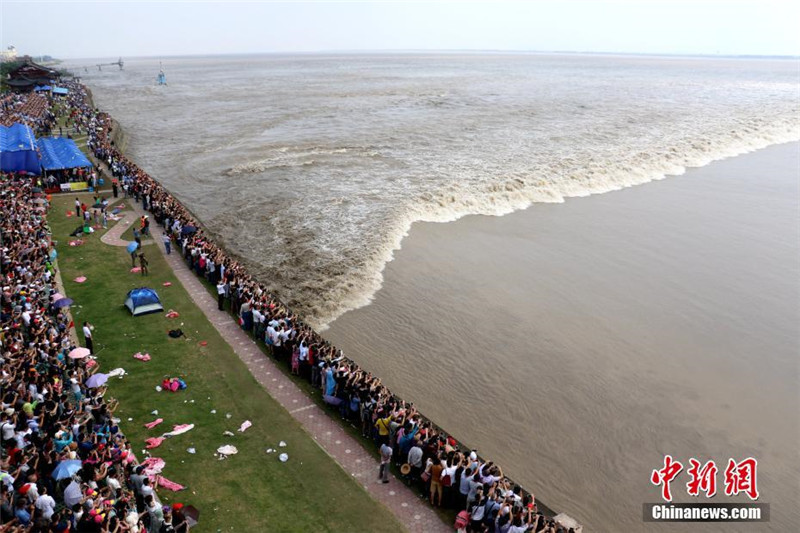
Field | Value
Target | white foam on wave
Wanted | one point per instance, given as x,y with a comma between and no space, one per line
513,195
315,178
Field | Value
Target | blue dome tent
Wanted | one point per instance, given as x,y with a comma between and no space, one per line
142,301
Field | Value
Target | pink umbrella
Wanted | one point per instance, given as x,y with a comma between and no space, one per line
57,296
79,353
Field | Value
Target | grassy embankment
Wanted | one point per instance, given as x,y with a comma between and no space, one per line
251,491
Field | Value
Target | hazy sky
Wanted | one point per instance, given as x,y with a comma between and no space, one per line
151,28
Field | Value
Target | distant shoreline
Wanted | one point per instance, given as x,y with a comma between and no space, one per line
456,52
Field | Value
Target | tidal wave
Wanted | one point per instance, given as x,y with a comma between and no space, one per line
314,176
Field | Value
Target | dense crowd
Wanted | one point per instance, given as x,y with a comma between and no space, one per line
65,464
31,109
429,459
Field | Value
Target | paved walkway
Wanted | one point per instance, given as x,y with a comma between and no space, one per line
348,451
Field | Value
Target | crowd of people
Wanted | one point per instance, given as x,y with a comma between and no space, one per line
427,458
32,109
65,466
41,111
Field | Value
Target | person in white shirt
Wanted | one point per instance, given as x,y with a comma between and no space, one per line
271,334
147,489
45,504
8,426
303,351
221,295
285,334
87,334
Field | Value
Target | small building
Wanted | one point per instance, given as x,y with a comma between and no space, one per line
28,75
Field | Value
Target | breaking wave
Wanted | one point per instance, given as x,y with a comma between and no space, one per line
314,179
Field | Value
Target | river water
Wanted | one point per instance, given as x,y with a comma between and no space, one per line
602,337
579,343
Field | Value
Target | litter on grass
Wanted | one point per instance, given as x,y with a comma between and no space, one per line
246,424
117,372
169,485
227,450
153,442
283,457
178,430
154,423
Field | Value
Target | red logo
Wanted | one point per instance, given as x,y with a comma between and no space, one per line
739,477
665,476
703,479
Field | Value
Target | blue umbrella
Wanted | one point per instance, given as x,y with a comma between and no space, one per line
63,302
187,230
132,246
66,469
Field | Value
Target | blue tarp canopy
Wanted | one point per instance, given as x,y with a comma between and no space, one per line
59,152
42,88
18,149
143,300
60,90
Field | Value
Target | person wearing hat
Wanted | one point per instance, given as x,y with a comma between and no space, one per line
179,522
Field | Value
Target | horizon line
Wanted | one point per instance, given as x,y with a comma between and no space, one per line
446,51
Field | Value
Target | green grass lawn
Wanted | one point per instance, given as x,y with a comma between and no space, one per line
251,491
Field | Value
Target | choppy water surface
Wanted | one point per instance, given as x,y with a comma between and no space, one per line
314,167
606,331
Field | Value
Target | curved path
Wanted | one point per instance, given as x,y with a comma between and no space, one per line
413,511
113,237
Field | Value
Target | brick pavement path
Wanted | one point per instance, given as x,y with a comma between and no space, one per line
412,511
